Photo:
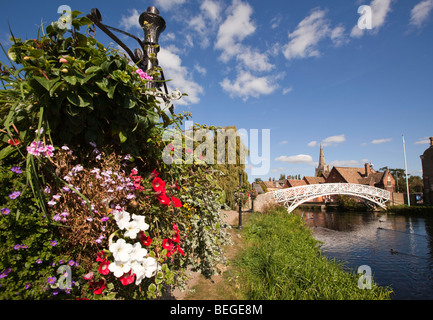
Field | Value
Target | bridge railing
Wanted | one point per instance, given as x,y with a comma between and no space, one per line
296,195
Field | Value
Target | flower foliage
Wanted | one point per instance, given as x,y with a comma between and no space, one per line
88,207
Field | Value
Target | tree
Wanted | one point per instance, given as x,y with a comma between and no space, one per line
415,182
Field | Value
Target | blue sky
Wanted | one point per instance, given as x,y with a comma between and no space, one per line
302,69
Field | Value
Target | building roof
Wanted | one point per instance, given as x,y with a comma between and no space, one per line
294,183
359,175
350,175
314,180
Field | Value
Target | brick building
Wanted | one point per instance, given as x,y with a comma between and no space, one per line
366,175
427,173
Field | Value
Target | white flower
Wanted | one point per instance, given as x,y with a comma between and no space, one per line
176,95
121,250
122,218
131,230
139,271
151,266
143,226
138,253
119,268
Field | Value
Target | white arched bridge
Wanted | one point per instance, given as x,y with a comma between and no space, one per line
293,197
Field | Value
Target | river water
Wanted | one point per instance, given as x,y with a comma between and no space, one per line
398,249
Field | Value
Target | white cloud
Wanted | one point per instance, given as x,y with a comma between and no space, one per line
205,23
420,13
212,9
284,142
168,4
309,32
247,85
424,140
279,169
345,163
312,144
333,140
234,29
379,11
287,90
254,60
380,141
182,78
200,69
337,35
130,21
300,158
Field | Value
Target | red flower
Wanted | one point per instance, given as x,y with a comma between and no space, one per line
168,244
145,240
154,173
171,248
175,237
127,278
180,250
13,142
176,185
163,199
158,185
101,256
88,276
133,172
103,268
98,287
176,202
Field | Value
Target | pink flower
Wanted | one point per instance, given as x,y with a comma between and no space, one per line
63,60
37,148
143,75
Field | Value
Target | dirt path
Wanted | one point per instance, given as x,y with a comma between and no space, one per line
231,217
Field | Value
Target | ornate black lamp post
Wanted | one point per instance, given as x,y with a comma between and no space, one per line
144,57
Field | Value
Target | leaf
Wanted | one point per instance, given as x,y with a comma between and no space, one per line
82,81
110,92
102,86
152,287
47,84
122,137
78,100
70,79
6,152
153,117
92,69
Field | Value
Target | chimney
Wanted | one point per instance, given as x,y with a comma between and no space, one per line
431,141
367,169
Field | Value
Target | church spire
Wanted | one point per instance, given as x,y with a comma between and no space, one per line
322,162
322,169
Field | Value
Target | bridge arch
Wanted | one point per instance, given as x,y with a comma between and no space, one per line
295,196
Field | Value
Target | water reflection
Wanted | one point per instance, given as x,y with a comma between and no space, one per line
399,249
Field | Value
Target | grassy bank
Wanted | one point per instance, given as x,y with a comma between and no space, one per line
405,209
281,261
